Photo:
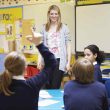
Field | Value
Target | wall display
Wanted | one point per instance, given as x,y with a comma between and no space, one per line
2,28
91,2
27,47
8,28
18,28
8,16
88,2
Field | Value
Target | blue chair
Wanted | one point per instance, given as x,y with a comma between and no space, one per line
106,71
107,86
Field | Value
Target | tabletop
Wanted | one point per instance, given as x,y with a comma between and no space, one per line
51,100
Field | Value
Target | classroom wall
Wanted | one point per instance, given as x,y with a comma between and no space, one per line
39,13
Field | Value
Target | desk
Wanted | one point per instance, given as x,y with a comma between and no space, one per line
57,95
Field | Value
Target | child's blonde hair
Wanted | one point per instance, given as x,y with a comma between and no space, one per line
14,66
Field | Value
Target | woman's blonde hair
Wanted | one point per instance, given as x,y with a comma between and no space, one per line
56,8
14,65
83,71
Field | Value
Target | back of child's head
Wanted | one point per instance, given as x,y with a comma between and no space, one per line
14,66
83,71
95,50
15,63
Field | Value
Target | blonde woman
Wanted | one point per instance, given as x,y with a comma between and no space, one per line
56,37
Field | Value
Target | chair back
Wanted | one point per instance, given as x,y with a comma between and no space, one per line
106,71
107,85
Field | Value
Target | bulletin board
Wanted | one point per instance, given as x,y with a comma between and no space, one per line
8,27
91,2
8,16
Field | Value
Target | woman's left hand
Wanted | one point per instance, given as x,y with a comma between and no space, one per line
68,67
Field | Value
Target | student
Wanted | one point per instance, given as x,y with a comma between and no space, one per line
93,53
16,93
56,37
84,93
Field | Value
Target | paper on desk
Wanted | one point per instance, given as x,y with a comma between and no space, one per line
44,94
62,91
47,102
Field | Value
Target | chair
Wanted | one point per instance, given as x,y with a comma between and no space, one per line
66,78
105,75
107,85
31,71
106,71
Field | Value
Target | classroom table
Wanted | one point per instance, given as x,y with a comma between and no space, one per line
55,99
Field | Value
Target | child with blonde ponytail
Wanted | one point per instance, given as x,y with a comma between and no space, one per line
16,93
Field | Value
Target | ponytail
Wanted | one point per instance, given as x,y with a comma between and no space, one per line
100,57
14,65
5,81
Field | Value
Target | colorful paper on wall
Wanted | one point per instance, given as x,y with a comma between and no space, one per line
87,2
28,47
2,28
8,16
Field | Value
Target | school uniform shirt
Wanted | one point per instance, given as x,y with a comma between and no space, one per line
26,92
79,96
97,72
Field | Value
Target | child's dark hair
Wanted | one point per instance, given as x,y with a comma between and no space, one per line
95,50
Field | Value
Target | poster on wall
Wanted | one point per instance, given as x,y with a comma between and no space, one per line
8,16
2,28
18,28
27,24
10,32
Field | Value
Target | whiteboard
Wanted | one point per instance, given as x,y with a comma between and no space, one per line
93,26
